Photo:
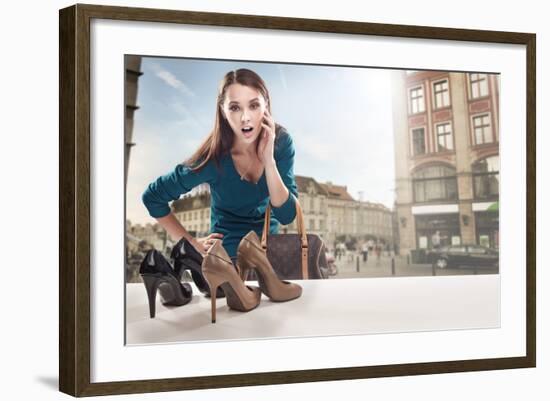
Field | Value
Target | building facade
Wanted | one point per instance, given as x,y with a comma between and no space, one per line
446,135
133,72
193,211
152,234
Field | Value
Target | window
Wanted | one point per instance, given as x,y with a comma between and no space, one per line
435,183
311,204
486,178
312,224
416,100
444,137
482,129
419,141
441,94
478,85
437,229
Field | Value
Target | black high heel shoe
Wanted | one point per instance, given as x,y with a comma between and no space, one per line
157,274
186,257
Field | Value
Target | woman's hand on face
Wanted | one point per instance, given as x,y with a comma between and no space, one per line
267,140
203,244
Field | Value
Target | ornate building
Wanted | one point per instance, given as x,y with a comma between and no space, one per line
193,212
446,134
314,201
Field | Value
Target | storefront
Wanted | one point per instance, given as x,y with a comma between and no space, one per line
442,228
487,224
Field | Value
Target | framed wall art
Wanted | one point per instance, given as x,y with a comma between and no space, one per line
365,206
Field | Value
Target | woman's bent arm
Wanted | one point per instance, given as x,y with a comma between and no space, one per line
176,231
283,200
169,187
278,192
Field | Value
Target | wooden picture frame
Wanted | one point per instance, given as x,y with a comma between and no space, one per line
75,205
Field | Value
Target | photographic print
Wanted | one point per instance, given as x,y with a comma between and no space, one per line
359,196
396,172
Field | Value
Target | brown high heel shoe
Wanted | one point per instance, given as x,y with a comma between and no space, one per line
251,255
218,270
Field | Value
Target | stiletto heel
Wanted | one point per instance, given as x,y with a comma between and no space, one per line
243,271
251,256
151,286
218,271
186,257
213,307
158,276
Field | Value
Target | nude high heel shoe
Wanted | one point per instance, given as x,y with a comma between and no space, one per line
218,270
251,255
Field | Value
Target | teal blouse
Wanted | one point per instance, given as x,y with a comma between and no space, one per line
237,206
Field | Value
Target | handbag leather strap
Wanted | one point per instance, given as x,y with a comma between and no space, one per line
301,231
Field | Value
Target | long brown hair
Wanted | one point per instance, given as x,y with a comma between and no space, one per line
220,140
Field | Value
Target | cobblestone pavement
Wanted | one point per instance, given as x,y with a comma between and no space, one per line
352,266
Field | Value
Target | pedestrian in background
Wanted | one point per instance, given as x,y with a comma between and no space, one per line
365,252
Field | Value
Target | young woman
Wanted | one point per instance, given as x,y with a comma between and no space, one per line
247,159
248,162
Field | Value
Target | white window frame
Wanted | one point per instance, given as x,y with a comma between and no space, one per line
491,133
422,109
411,136
434,96
470,91
436,132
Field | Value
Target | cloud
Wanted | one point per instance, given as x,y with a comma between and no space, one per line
171,80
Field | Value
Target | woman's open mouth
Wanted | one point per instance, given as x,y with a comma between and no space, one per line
247,131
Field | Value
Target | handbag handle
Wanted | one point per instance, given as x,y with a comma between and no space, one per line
301,231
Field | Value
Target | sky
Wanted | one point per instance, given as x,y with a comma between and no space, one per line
340,119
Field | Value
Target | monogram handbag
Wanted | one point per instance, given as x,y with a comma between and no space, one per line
298,256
